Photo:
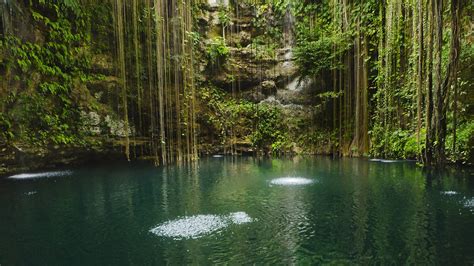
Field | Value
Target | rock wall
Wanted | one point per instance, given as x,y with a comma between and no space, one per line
255,68
262,72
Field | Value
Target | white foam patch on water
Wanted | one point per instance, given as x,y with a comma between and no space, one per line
450,192
291,181
31,193
469,203
218,156
375,160
240,218
40,175
197,226
386,161
190,227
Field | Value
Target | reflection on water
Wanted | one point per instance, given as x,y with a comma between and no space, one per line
358,212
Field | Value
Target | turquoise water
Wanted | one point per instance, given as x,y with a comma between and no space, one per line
232,210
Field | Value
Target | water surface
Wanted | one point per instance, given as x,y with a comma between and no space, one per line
342,211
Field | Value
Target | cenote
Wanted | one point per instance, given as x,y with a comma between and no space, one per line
156,132
226,210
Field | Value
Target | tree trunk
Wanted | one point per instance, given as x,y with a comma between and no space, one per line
420,73
439,114
451,78
429,89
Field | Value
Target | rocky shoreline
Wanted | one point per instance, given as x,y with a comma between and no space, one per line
19,158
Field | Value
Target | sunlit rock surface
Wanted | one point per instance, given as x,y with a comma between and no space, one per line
292,181
197,226
217,3
40,175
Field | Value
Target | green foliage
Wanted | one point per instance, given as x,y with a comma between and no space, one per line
260,125
464,143
6,133
269,130
313,57
195,38
262,50
329,95
223,16
43,106
217,50
320,48
317,141
268,22
262,19
398,144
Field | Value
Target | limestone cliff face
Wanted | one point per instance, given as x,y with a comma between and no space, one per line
250,65
251,71
98,127
254,71
260,68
